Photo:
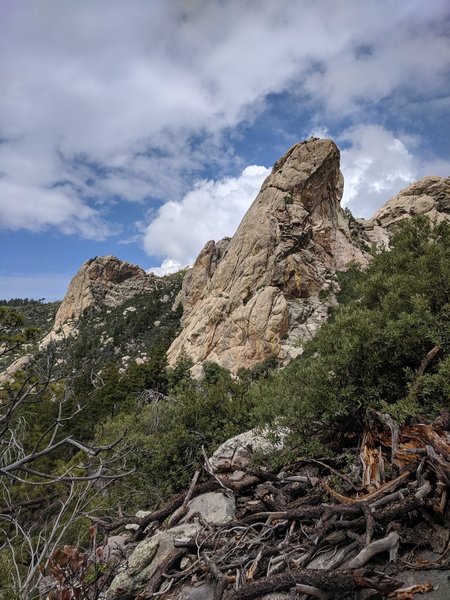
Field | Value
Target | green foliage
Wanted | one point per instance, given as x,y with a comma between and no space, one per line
367,354
141,329
213,372
78,383
22,323
7,588
168,435
259,371
133,329
179,374
111,392
13,332
402,410
349,282
435,386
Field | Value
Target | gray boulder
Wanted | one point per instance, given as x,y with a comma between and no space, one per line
216,508
205,591
145,560
237,452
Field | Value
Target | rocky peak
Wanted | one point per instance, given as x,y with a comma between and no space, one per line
258,294
428,196
103,280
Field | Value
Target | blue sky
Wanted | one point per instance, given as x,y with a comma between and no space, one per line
145,128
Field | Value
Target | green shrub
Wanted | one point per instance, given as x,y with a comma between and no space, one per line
367,354
167,436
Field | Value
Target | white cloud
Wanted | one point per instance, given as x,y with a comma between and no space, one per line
167,267
378,164
212,210
35,209
111,97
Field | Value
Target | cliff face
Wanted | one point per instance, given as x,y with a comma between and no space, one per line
266,290
258,294
105,280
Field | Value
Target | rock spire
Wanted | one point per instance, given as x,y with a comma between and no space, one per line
257,294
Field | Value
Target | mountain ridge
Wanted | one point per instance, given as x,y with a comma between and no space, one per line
266,290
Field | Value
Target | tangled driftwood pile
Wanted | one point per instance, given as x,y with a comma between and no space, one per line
308,531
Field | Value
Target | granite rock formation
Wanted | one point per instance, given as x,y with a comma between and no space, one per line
428,196
263,292
104,280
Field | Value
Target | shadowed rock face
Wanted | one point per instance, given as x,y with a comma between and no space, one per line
258,294
103,280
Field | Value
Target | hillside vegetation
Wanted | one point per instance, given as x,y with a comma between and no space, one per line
370,354
385,347
32,318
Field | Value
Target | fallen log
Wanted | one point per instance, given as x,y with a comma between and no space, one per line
155,581
328,581
284,523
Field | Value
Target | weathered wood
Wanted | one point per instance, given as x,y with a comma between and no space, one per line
182,510
157,578
389,543
220,578
416,384
313,591
329,581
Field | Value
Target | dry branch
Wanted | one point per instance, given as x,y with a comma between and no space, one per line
331,581
291,535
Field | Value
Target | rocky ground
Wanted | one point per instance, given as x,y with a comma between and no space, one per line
373,523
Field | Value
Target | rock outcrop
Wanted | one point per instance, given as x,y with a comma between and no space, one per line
428,196
145,559
263,292
266,290
105,280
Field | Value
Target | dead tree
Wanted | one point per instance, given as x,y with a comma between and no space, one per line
67,491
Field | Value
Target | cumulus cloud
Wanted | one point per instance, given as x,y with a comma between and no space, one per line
377,164
127,101
167,267
35,209
212,210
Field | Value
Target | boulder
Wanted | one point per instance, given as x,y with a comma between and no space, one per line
204,591
145,560
237,452
216,508
115,549
428,196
